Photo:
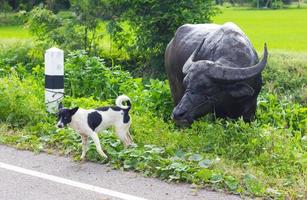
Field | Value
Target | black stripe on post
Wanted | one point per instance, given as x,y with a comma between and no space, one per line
54,82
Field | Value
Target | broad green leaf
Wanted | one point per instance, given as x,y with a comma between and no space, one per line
204,174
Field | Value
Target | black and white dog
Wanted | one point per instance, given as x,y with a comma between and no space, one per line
89,122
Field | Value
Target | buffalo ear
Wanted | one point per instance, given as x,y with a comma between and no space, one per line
240,90
74,110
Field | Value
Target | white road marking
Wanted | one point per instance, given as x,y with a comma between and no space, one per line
70,182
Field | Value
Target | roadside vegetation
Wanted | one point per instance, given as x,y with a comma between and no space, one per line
266,158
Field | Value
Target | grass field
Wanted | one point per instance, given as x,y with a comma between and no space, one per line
10,34
282,29
14,32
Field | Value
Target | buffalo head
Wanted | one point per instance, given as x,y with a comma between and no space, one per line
209,85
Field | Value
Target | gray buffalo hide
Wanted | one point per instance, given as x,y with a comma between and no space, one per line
213,68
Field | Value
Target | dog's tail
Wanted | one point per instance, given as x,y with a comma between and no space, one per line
119,102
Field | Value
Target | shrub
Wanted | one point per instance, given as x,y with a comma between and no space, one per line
22,56
11,18
285,75
89,76
69,30
51,29
21,102
42,22
155,23
153,96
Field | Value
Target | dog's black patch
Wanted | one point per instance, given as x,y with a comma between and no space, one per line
129,105
65,115
126,112
126,117
115,108
106,108
93,120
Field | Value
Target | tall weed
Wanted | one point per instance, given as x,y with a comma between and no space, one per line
21,102
88,76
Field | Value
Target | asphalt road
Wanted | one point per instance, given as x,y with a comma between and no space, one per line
28,176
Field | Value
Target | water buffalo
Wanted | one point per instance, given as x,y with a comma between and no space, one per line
213,69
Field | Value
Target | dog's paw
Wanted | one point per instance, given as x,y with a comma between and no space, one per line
102,154
82,158
82,161
132,145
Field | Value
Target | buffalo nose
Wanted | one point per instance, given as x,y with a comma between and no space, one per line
178,114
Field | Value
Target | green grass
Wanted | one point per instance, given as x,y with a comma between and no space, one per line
14,32
284,29
265,158
10,34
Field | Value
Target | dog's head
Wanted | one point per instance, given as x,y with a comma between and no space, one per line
65,115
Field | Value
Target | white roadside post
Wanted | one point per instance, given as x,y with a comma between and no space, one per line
54,78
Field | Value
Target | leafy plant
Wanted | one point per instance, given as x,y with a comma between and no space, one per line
155,22
89,76
21,56
88,13
265,158
22,101
42,22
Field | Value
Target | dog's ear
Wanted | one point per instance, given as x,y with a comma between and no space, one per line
60,106
74,110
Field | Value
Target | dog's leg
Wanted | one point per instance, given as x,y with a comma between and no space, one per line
130,138
84,146
124,135
95,138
